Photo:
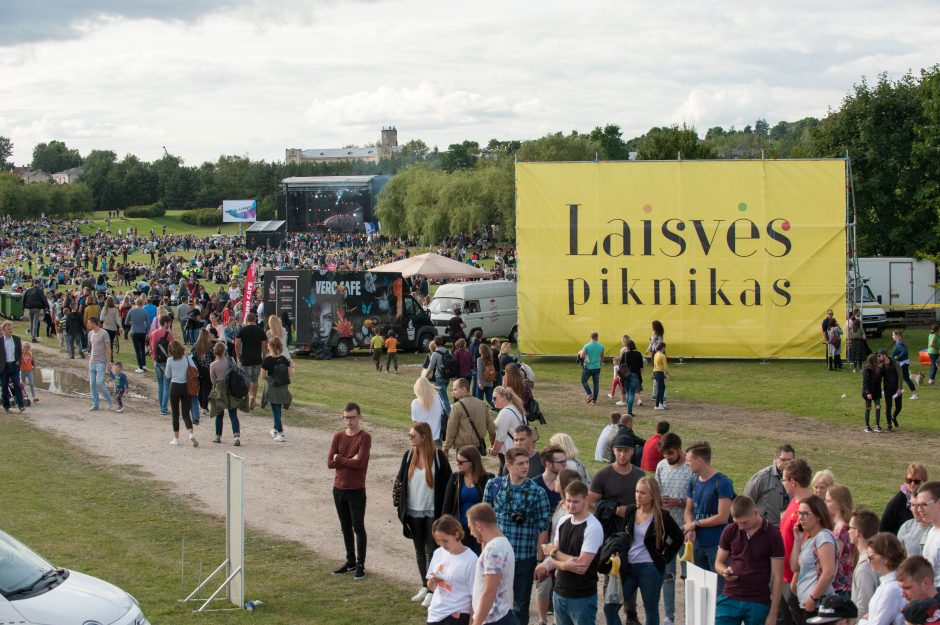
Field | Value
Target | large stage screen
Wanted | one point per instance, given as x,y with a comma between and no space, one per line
737,259
239,211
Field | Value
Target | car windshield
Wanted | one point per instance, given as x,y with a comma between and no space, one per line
445,305
19,565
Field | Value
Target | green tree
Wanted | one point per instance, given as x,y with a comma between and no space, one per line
54,157
12,196
97,166
611,140
460,155
6,151
672,142
558,147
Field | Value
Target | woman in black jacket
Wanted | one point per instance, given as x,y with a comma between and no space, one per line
653,539
871,391
419,496
464,489
631,366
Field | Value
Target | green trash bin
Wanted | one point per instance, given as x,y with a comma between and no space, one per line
5,304
16,305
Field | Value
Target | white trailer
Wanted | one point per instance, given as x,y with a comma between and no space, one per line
903,282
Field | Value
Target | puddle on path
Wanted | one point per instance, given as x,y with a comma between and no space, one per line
68,383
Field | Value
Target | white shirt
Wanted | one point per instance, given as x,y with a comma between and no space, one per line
506,422
593,533
10,348
497,558
932,552
420,495
432,417
602,442
886,604
455,583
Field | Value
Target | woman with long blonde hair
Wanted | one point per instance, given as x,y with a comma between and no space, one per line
839,503
511,415
427,407
419,496
653,538
571,452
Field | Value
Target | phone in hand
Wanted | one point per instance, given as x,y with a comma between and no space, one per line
799,526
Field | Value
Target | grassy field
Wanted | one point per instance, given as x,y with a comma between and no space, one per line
112,523
172,220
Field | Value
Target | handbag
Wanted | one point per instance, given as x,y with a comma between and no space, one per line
192,378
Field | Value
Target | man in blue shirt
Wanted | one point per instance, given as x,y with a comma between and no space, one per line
592,356
707,508
523,516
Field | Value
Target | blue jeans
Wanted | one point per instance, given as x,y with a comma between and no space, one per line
705,559
233,416
669,588
647,578
442,391
194,408
595,375
659,378
485,393
276,411
733,612
632,384
933,366
96,371
578,611
522,588
163,386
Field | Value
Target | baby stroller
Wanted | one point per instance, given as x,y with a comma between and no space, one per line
27,402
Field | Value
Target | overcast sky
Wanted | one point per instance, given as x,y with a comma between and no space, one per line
251,77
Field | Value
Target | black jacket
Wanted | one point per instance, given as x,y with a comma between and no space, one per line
442,473
889,375
896,513
633,361
17,351
35,298
673,538
452,493
871,382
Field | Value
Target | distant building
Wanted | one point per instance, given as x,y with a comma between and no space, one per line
386,148
29,175
68,176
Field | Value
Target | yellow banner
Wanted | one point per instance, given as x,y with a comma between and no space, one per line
737,259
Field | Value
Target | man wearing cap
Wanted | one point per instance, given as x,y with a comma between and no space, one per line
834,609
750,560
616,483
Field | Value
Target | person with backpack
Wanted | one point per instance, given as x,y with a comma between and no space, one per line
707,507
220,396
442,368
276,370
470,421
486,375
160,341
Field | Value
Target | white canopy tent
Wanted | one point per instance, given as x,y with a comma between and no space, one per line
434,267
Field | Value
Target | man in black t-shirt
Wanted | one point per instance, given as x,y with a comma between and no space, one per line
250,345
455,327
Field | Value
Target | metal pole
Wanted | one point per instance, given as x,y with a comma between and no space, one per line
206,581
219,589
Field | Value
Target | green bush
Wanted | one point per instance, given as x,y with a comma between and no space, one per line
202,217
152,210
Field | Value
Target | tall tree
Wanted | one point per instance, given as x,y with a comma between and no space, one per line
611,139
6,151
672,142
54,157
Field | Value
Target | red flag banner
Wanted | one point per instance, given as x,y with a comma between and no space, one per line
249,294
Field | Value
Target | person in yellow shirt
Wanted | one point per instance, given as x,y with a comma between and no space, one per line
391,348
375,348
660,375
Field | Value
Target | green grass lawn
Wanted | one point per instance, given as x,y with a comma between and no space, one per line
172,220
114,524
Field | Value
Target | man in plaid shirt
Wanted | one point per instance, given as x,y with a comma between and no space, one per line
523,516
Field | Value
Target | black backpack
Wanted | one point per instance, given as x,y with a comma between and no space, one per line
162,352
280,375
449,367
237,380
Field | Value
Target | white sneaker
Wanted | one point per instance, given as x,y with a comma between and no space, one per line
659,408
280,439
621,403
138,370
420,595
175,442
914,395
427,600
273,433
667,621
610,396
639,402
121,409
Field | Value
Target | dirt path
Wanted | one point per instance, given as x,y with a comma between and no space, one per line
289,489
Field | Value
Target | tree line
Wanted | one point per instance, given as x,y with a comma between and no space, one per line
890,129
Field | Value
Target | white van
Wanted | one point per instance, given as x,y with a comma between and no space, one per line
487,305
34,592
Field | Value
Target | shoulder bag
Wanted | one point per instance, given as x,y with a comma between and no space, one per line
481,444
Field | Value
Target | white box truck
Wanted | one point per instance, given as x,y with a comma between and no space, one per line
898,281
487,305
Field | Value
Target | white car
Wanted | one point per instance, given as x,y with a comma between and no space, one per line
34,592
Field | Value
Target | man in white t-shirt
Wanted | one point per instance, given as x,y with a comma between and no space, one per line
928,500
495,569
577,540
